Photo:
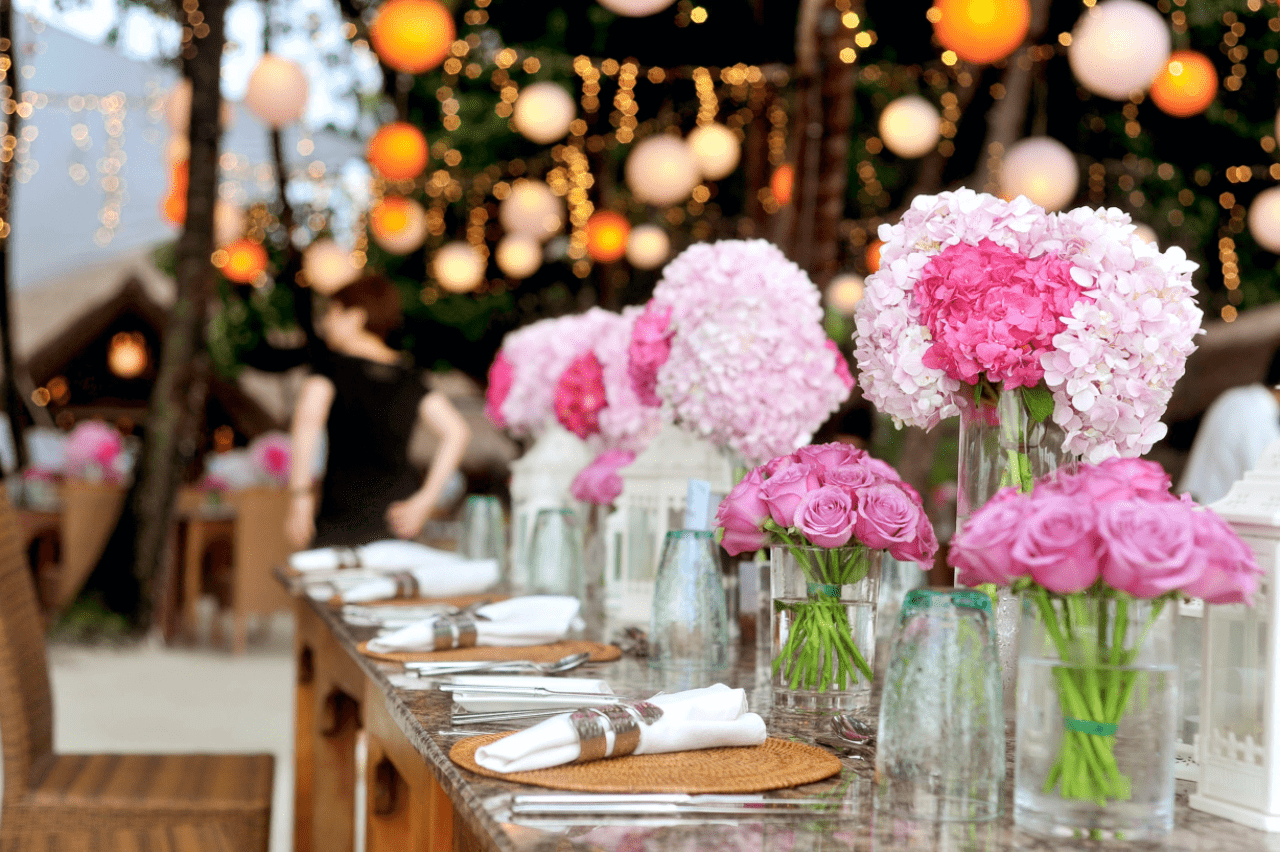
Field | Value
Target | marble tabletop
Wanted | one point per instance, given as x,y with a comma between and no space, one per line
853,822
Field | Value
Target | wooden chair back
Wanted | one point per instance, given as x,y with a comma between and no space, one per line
89,515
259,547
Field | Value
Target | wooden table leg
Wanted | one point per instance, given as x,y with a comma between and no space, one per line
192,564
338,690
304,722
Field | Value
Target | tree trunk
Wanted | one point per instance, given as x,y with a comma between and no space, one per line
12,397
179,396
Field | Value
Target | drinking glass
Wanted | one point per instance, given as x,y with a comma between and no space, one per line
941,744
689,625
484,530
555,554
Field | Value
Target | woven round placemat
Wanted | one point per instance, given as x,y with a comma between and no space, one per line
774,764
600,653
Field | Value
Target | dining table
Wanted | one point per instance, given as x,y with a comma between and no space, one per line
417,798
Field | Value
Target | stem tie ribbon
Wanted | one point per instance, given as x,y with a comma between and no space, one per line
1089,727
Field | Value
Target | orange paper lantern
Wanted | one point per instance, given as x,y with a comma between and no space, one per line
412,36
1187,85
174,206
245,260
398,151
782,183
607,236
981,31
873,255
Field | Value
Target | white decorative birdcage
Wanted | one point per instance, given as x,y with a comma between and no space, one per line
1239,726
654,490
541,479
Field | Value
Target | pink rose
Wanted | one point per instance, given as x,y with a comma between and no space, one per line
851,477
580,396
826,517
649,350
741,514
785,489
924,549
842,366
773,465
1148,548
824,457
983,549
600,483
882,469
1148,480
1230,574
887,518
501,376
1057,544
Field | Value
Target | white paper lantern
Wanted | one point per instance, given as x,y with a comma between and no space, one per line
1264,219
635,8
519,255
716,149
458,267
845,292
1042,169
543,112
1144,232
177,110
228,222
405,239
277,91
648,247
532,209
662,170
177,149
910,126
1118,47
328,267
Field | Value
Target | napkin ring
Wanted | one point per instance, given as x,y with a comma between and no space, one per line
624,719
348,558
454,631
406,584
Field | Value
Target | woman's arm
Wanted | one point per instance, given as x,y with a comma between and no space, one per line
407,517
309,418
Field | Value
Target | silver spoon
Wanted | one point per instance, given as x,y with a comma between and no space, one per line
566,663
853,730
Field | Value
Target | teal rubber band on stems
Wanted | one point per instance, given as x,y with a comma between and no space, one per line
1089,727
824,590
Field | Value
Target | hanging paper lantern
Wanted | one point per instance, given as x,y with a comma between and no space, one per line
398,151
1186,86
532,209
845,292
412,36
982,31
519,255
1144,232
635,8
661,170
177,149
782,183
177,110
458,267
1118,47
127,356
910,126
277,91
228,222
716,150
1264,219
328,267
174,206
873,255
543,112
648,247
244,260
607,236
398,224
1042,169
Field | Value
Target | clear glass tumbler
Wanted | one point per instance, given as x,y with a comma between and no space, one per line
484,530
940,753
555,554
689,625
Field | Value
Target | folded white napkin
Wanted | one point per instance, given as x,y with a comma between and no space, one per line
456,577
528,621
498,702
704,718
388,554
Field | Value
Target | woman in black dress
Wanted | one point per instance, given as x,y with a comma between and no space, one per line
367,397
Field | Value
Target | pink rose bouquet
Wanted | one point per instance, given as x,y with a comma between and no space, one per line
830,505
271,454
95,451
1108,533
600,483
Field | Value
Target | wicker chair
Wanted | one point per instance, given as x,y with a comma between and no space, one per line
104,802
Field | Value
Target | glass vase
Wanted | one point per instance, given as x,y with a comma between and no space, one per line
824,628
1097,717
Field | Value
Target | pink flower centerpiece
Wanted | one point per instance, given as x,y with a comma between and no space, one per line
829,507
271,454
1109,539
732,345
94,451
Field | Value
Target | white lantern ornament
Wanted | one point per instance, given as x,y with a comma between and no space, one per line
662,170
277,91
398,225
518,255
648,247
543,112
636,8
328,266
1264,219
1118,48
910,126
1042,169
845,292
716,149
1145,232
531,209
228,222
458,267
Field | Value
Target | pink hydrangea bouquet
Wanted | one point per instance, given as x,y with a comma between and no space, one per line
732,346
95,451
1106,539
1089,322
271,454
830,506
